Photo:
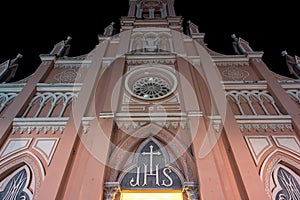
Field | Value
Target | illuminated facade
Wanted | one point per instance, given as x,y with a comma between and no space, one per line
151,113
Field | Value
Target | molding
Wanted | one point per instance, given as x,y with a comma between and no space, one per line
272,127
10,90
289,81
47,57
38,125
244,82
72,63
291,86
286,118
245,86
106,115
58,88
47,149
154,114
286,142
195,114
258,151
128,124
36,159
225,59
14,145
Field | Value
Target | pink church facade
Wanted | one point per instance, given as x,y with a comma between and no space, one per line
150,113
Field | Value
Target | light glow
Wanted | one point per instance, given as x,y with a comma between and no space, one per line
152,196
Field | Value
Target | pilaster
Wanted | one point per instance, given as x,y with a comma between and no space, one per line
20,102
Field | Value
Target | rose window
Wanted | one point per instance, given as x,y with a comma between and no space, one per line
150,83
151,87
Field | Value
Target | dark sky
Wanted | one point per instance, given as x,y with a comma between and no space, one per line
33,28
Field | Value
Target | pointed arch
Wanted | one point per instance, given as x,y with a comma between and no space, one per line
179,152
17,185
270,168
286,183
35,175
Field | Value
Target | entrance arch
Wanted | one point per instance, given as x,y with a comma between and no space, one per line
148,167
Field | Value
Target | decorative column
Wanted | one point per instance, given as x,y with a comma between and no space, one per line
132,6
111,189
192,190
171,10
139,11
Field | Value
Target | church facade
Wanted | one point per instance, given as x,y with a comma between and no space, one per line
151,113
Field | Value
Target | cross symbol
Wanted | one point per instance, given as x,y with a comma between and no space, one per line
151,153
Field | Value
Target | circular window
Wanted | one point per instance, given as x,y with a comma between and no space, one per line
150,83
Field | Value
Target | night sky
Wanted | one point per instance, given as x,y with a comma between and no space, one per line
34,29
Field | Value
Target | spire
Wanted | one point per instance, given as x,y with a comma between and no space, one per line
9,68
150,9
62,48
240,45
293,64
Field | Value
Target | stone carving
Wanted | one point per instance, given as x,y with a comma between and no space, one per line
67,76
111,189
151,169
252,97
15,186
192,190
6,98
53,99
288,184
235,74
266,127
295,94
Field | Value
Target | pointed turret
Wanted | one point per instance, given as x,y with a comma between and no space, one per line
9,68
240,45
293,64
62,48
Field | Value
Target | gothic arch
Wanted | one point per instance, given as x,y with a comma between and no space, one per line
29,167
130,143
269,170
165,154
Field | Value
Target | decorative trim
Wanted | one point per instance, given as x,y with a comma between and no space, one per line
17,185
38,125
163,123
86,121
64,64
46,147
270,169
192,190
295,94
258,145
245,86
266,127
38,161
67,76
276,159
14,145
248,96
111,189
286,142
151,62
34,169
6,98
287,183
235,73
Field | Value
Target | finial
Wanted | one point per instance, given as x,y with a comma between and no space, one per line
233,36
19,56
284,53
189,21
